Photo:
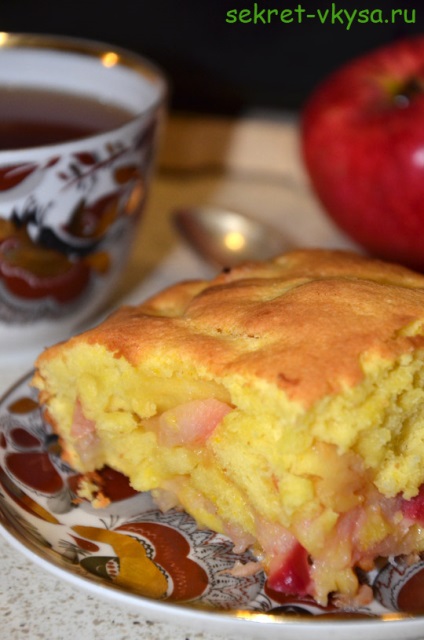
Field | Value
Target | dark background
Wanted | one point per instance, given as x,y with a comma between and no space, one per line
216,67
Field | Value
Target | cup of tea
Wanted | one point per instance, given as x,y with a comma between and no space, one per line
79,124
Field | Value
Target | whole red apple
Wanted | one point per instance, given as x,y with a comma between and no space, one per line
363,146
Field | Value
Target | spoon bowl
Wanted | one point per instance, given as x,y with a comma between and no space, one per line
226,238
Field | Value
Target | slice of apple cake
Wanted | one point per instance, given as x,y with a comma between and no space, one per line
281,403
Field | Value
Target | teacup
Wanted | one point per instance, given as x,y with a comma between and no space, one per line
73,186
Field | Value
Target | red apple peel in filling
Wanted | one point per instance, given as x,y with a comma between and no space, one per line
293,575
413,509
288,570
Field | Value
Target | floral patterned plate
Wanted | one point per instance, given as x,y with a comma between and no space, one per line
161,563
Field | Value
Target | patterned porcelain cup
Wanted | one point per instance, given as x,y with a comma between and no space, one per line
68,208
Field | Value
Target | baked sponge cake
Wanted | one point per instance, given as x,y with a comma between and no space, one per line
281,403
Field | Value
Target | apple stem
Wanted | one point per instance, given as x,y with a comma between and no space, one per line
408,91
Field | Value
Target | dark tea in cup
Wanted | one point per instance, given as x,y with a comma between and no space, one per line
36,117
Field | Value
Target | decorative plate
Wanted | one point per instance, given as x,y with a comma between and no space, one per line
161,563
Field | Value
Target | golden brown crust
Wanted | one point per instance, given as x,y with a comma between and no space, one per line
301,321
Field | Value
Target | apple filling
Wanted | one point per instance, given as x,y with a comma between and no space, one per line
318,550
318,492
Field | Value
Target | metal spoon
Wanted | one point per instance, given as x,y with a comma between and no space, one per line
226,238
